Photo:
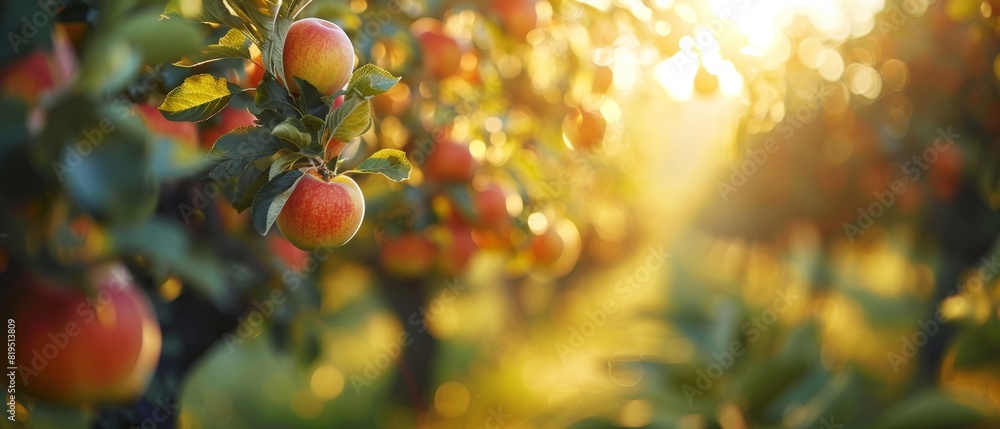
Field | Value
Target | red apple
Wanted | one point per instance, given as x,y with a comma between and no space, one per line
227,120
76,349
322,213
450,162
407,256
318,52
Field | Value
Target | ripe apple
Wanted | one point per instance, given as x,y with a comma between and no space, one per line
518,17
229,119
450,162
322,213
181,132
319,52
584,130
77,349
441,54
408,256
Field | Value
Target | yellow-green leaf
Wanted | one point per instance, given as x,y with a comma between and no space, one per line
391,163
200,97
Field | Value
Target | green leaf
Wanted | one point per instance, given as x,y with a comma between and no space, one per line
310,99
271,198
348,121
235,150
271,52
159,40
293,131
200,97
244,196
284,162
272,48
272,95
929,410
370,80
391,163
234,44
314,123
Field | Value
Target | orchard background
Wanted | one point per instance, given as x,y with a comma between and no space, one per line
587,214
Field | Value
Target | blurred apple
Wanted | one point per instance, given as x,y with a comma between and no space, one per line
407,256
456,248
584,130
449,162
80,349
556,250
441,54
518,17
